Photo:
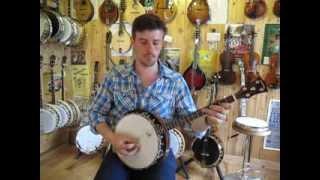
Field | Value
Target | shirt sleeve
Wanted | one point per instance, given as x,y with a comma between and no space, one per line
101,105
185,106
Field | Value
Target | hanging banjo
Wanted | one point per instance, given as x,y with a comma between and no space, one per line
153,133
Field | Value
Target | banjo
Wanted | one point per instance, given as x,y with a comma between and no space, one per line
153,133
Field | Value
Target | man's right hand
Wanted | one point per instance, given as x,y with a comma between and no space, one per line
124,144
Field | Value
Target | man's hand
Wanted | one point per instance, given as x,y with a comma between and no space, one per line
124,144
217,113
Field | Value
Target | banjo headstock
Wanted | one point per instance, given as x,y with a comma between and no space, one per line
252,88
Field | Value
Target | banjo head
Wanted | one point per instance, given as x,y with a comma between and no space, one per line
57,24
138,126
45,27
49,119
177,142
65,106
251,126
88,142
68,29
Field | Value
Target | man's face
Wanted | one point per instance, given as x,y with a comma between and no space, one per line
147,46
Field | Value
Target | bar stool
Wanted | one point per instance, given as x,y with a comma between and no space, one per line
250,127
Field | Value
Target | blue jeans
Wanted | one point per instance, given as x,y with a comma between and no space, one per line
112,168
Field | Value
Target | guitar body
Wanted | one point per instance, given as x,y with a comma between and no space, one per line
272,79
108,12
84,10
133,10
121,38
198,9
165,10
276,8
195,78
255,9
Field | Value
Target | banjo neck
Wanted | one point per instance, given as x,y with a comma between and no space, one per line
255,87
64,60
52,87
41,64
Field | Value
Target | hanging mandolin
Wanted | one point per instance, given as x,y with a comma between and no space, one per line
194,76
255,9
166,10
198,9
108,12
84,10
276,8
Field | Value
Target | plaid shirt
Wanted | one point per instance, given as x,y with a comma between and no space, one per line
122,91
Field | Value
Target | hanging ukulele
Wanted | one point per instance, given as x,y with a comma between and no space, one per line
255,9
84,10
108,12
121,33
273,77
198,9
194,76
228,76
251,60
276,8
166,10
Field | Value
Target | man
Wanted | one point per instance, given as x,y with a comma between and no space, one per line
146,85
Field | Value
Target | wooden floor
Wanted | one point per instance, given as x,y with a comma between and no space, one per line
62,163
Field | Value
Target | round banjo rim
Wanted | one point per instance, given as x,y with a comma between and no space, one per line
46,33
163,144
251,130
182,144
87,129
220,147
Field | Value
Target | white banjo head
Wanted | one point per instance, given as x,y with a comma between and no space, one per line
88,142
147,138
68,31
177,142
49,119
251,126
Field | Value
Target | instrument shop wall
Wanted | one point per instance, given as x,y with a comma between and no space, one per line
181,31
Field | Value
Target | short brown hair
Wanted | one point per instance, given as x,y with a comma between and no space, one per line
148,22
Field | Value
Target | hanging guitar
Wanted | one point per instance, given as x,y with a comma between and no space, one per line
166,10
228,76
121,33
152,132
251,60
255,9
133,10
108,12
276,8
273,77
194,76
198,9
84,10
